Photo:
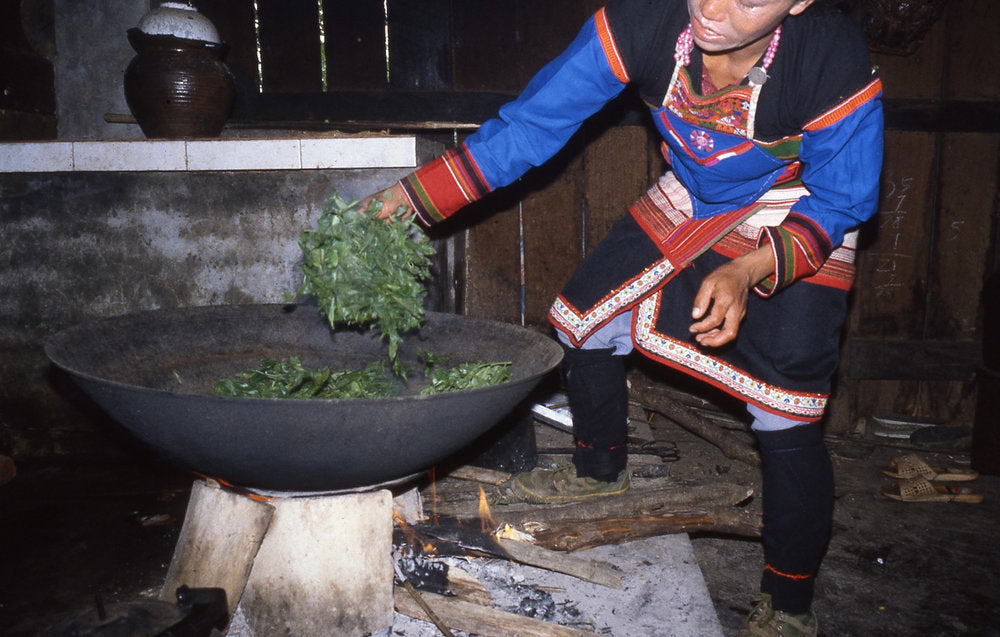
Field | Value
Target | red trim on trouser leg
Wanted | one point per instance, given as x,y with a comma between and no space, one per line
580,443
791,576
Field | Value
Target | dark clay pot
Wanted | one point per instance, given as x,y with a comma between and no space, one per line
178,88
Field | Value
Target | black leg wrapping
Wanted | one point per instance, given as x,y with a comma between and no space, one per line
798,513
598,399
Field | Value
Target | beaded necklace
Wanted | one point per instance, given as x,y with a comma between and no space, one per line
757,75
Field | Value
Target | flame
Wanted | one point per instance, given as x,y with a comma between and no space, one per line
507,532
485,517
411,535
434,497
408,532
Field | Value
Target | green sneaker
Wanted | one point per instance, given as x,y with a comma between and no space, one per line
562,485
764,621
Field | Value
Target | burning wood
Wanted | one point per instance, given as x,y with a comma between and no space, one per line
633,515
428,589
573,535
587,570
454,536
507,532
513,605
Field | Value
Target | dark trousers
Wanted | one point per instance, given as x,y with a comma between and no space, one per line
798,513
598,399
797,474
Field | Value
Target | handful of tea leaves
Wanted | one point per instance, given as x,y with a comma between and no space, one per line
365,271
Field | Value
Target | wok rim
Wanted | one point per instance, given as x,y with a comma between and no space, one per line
62,338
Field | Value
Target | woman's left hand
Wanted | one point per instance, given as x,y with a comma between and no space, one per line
721,302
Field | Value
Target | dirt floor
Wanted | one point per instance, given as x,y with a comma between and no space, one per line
892,568
76,536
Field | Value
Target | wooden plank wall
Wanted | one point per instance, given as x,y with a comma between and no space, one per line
915,326
522,245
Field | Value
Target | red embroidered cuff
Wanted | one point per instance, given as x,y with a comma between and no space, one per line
800,249
442,187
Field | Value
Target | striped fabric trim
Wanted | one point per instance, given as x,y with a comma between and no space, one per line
443,186
800,249
786,148
803,406
665,214
846,107
688,240
578,325
610,48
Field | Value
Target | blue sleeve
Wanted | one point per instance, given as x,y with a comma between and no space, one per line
841,165
532,128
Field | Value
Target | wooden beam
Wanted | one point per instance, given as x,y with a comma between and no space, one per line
478,106
945,116
467,108
412,106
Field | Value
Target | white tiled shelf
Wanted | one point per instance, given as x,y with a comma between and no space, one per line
217,154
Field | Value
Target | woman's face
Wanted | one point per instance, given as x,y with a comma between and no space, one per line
729,25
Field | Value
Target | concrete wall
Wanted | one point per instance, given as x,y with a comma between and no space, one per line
76,246
92,53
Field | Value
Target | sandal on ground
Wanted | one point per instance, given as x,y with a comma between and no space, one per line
922,490
765,621
913,466
563,485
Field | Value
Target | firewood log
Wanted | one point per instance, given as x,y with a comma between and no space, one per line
658,399
574,535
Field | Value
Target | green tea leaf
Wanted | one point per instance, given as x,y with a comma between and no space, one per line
464,376
288,378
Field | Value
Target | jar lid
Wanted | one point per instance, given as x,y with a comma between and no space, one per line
180,20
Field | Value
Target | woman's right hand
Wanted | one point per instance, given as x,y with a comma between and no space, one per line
392,199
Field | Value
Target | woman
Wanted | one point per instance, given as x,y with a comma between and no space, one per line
734,268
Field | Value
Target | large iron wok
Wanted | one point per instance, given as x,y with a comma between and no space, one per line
154,372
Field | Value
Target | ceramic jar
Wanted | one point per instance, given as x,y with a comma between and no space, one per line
177,85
